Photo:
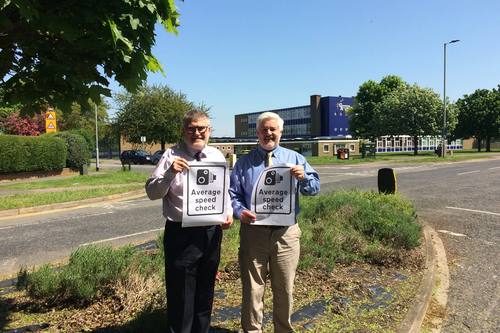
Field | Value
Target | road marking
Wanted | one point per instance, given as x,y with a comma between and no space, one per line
473,210
465,173
115,238
494,168
451,233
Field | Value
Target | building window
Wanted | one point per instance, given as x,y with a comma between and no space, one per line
326,148
335,129
217,147
229,148
223,148
335,113
352,147
340,113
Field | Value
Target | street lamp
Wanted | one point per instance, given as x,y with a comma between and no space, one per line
443,148
96,142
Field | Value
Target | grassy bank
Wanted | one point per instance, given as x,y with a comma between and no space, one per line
109,290
109,183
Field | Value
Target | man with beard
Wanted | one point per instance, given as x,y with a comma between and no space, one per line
262,246
192,254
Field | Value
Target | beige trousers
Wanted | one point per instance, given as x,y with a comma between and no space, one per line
260,246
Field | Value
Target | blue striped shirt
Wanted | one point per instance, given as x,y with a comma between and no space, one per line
248,168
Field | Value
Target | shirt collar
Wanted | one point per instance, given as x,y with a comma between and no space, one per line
263,152
190,151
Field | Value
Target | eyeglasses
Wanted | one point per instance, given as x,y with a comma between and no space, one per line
201,129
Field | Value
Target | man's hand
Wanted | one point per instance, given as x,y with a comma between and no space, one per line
247,217
178,165
297,171
228,223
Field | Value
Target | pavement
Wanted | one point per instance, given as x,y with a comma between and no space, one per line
434,283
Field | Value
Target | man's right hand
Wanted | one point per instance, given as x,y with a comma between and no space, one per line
178,165
247,217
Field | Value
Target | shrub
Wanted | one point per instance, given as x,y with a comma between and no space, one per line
88,136
78,151
91,269
343,227
31,153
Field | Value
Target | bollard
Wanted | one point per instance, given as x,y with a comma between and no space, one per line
387,181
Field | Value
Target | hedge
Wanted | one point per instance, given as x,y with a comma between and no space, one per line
31,153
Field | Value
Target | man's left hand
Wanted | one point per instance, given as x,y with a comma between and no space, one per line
228,223
297,171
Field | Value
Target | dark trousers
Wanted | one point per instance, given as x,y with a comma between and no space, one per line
192,258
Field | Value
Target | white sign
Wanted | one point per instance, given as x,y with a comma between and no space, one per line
205,194
273,196
143,139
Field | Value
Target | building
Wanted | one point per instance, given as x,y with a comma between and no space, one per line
317,129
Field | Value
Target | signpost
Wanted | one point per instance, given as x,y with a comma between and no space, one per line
143,139
50,120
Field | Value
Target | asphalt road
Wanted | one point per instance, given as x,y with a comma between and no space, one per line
459,200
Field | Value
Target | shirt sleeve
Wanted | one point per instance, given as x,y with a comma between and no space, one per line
159,182
237,192
310,185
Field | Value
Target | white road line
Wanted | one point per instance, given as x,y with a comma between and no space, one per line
451,233
464,173
494,168
473,210
115,238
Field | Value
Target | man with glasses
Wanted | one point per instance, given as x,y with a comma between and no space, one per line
192,254
268,249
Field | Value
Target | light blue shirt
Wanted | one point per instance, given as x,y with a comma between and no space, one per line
248,168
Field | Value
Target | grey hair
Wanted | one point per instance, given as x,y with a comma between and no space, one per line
194,115
270,115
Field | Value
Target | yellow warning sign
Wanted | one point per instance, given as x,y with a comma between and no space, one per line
50,120
50,126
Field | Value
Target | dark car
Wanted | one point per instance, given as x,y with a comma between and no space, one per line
135,156
156,156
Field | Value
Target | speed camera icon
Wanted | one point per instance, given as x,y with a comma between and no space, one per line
204,177
272,178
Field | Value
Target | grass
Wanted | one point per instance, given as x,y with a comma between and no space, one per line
16,201
122,176
109,183
107,290
404,157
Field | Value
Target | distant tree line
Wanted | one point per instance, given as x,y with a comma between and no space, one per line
393,107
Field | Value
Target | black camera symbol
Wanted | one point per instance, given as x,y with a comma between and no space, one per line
205,177
272,178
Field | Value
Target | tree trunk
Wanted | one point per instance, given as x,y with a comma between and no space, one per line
415,145
479,144
488,143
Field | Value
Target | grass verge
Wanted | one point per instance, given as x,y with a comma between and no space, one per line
106,290
39,199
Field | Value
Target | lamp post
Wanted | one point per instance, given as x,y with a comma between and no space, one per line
96,142
444,100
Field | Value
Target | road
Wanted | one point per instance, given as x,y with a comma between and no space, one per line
459,200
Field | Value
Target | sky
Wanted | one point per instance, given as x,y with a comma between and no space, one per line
250,56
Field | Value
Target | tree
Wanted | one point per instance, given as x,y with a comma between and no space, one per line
155,112
411,110
58,52
479,116
361,122
16,124
80,119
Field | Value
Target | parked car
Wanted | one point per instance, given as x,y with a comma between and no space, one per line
156,156
241,153
135,156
